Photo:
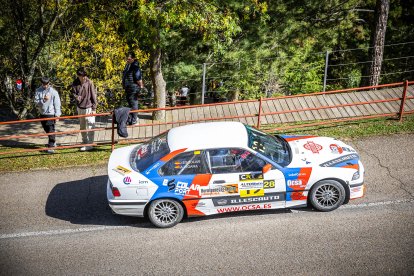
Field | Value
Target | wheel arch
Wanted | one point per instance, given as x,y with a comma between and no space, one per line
342,182
165,197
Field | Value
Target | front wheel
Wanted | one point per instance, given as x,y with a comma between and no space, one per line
327,195
165,213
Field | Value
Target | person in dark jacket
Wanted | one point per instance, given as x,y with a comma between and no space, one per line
84,93
132,83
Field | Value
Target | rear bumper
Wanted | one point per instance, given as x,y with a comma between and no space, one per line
134,208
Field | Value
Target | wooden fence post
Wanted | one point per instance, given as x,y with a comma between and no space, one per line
260,113
404,96
113,132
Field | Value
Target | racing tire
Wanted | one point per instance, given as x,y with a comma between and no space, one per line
165,213
327,195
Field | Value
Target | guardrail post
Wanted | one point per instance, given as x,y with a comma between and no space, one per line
113,132
326,70
260,113
404,96
203,89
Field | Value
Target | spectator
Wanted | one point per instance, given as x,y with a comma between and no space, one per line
132,83
84,93
48,103
183,95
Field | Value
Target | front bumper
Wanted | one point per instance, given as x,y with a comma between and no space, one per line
357,187
134,208
356,190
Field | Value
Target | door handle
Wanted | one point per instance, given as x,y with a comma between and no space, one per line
219,181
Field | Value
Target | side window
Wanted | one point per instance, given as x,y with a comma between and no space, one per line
191,162
234,161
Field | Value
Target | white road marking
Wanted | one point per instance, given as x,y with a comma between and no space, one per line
102,228
60,231
377,203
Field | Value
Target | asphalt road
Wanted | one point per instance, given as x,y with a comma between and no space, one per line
57,222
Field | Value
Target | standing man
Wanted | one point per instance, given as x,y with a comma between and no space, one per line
132,83
84,93
48,103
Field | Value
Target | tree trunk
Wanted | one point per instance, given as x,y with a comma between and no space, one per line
234,95
377,43
158,83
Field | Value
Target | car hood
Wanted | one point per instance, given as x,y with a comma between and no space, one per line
311,151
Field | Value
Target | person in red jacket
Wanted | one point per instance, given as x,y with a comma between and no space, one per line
84,93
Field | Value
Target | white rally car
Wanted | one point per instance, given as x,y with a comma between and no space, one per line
211,168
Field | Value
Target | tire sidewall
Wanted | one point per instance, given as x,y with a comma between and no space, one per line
154,220
334,183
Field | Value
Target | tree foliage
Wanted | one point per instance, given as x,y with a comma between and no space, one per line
250,48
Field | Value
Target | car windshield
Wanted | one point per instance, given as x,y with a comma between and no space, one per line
274,147
146,154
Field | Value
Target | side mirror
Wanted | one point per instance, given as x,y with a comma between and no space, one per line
266,168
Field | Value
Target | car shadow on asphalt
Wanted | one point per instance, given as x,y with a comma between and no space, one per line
84,202
249,213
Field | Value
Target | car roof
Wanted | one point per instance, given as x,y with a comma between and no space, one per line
208,135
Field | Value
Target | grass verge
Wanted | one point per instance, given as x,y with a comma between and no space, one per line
100,155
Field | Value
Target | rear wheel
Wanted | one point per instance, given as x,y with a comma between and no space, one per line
165,213
327,195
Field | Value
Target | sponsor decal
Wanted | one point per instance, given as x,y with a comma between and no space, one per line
269,184
336,161
313,147
121,170
306,161
245,154
181,188
253,192
197,183
238,200
196,203
335,149
295,182
127,180
348,149
244,208
250,185
222,202
142,151
170,183
297,174
225,189
250,176
194,187
356,189
142,182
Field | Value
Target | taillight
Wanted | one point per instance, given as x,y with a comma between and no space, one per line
115,191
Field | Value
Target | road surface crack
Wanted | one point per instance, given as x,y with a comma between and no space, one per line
387,169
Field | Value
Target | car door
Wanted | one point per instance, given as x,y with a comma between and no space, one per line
238,182
183,177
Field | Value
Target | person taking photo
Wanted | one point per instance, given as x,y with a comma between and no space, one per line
48,104
84,94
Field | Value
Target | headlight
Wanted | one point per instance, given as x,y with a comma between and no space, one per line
356,175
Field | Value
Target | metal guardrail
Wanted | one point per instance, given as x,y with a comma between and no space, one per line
258,116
